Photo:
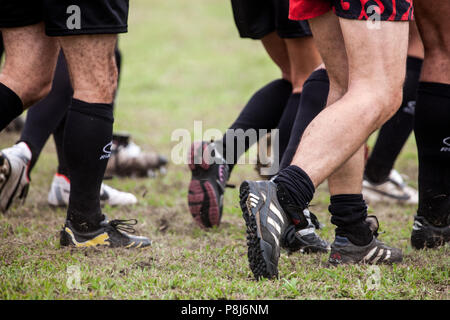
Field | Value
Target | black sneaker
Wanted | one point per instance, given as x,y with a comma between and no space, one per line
343,251
209,180
306,239
425,235
110,233
266,225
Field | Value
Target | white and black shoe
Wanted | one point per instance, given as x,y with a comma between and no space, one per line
59,193
266,224
393,190
306,240
14,179
343,251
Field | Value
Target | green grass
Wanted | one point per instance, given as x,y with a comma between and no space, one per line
183,61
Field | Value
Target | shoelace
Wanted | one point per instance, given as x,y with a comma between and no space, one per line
124,225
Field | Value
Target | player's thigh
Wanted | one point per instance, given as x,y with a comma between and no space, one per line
433,20
304,58
92,67
30,60
277,50
329,41
376,61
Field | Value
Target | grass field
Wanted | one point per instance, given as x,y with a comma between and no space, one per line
184,61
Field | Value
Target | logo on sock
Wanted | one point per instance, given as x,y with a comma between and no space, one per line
107,151
446,141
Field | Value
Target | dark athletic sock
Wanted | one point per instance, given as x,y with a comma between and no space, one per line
47,115
432,130
299,188
10,106
395,132
286,123
313,100
349,213
262,111
87,148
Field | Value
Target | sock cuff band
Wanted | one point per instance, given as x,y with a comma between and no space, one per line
12,99
99,110
435,89
414,63
318,75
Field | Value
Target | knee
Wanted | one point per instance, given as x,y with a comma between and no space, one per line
37,91
378,104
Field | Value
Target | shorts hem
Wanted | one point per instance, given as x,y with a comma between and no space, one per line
65,32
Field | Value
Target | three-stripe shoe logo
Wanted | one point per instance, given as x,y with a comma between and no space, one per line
273,219
377,254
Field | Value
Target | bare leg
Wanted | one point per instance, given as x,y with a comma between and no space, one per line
30,61
374,94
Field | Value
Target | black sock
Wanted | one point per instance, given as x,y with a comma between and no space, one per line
47,115
10,106
286,123
313,100
87,148
349,213
262,111
432,130
58,137
395,132
299,188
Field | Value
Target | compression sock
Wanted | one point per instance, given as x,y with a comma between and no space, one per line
286,123
313,100
349,213
262,111
432,130
11,106
87,148
395,132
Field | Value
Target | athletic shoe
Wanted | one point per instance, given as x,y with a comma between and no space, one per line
425,235
343,251
307,240
394,190
266,224
58,195
110,233
14,180
209,179
128,160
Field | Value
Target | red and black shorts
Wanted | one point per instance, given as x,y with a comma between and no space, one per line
383,10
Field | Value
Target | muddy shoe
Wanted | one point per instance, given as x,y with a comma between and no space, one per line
114,233
266,225
14,180
209,180
343,251
128,160
425,235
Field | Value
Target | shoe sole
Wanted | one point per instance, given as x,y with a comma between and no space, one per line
255,254
202,198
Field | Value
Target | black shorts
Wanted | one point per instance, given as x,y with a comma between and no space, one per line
257,18
67,17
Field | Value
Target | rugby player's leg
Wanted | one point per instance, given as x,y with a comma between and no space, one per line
432,130
88,132
394,134
30,59
335,137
